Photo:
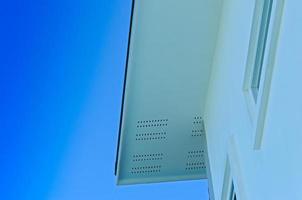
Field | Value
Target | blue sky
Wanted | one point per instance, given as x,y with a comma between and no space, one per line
61,76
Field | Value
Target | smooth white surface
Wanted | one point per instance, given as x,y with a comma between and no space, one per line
171,51
274,171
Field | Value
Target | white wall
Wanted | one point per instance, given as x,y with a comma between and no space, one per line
273,171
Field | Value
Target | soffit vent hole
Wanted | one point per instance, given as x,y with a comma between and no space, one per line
152,123
151,136
147,157
146,169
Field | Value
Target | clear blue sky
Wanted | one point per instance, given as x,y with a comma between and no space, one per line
61,75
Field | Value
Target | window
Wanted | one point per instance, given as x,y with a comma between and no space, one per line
261,46
260,62
233,187
233,195
229,192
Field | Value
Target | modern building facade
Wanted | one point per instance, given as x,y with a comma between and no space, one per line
242,62
254,138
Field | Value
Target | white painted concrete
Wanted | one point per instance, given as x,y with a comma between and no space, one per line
273,171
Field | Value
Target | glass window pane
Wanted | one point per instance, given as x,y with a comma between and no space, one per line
262,39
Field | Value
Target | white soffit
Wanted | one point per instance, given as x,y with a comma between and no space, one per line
170,52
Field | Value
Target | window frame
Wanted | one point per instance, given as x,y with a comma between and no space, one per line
257,107
233,181
262,36
233,195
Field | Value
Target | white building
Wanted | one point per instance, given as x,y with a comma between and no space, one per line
257,145
237,65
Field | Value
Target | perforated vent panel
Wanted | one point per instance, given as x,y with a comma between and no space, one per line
162,150
162,136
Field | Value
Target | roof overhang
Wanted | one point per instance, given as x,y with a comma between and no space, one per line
170,52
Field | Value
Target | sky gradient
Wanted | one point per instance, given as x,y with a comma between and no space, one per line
61,76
